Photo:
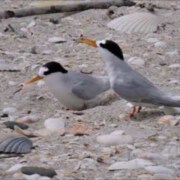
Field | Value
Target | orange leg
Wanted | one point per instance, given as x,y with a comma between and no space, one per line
134,111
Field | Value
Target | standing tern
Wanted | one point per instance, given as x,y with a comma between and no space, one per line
128,83
73,89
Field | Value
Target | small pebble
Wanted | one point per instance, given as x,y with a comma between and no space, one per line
9,110
54,124
12,124
29,170
115,138
174,66
56,40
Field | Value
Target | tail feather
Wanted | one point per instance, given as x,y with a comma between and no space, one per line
171,101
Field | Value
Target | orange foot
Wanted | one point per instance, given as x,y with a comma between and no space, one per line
134,111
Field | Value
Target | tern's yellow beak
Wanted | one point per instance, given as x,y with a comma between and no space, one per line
87,41
34,79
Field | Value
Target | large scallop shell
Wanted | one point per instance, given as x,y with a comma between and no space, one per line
140,22
17,145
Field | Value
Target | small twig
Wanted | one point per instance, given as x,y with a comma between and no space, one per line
11,156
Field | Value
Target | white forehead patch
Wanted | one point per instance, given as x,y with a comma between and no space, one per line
100,42
42,70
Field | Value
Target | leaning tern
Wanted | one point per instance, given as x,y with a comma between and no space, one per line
128,83
73,89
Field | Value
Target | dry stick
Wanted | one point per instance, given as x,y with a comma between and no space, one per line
64,8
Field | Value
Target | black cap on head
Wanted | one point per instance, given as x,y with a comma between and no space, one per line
54,67
113,48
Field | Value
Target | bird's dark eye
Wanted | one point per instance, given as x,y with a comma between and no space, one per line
102,45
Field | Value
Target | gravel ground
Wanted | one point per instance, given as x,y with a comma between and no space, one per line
82,157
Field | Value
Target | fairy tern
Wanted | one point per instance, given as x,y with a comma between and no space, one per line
128,83
75,90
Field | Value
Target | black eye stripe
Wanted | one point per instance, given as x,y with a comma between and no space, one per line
113,48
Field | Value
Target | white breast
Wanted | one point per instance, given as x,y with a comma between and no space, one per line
62,90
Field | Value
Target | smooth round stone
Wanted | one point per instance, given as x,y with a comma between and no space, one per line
54,124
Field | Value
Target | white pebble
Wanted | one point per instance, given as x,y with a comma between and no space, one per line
136,61
173,66
115,138
9,110
54,124
132,164
56,40
12,83
159,169
173,81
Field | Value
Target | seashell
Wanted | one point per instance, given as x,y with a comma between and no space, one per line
24,132
132,164
38,170
80,129
139,22
12,124
28,119
17,145
168,119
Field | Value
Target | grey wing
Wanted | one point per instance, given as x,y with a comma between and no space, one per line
88,87
137,88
